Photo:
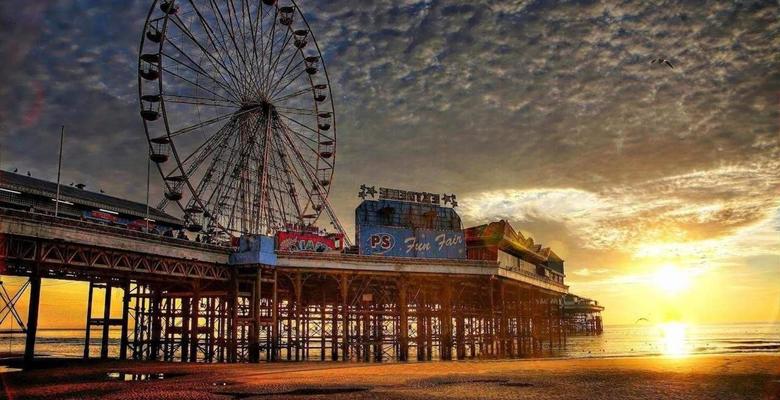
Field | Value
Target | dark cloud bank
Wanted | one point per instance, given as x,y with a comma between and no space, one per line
446,96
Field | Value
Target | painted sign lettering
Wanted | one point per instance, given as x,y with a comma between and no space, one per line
297,241
408,195
403,242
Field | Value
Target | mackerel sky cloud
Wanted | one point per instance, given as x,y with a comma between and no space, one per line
547,114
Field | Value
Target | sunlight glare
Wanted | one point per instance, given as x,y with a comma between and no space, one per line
672,279
673,339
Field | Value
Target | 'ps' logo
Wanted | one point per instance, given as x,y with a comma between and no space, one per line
382,242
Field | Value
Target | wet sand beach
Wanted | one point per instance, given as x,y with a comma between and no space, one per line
693,377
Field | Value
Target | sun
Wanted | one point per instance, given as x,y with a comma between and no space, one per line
671,279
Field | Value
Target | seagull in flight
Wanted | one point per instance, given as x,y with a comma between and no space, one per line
662,61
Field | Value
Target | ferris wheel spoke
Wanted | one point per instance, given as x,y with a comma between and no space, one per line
291,167
274,58
268,46
207,181
293,120
216,63
258,198
231,35
222,196
297,110
278,191
273,90
280,186
184,171
283,156
240,27
276,91
303,160
259,17
237,189
255,180
304,137
211,35
219,195
271,74
206,123
165,69
236,73
204,149
214,102
291,95
276,184
186,32
197,103
267,169
199,70
300,155
247,34
232,15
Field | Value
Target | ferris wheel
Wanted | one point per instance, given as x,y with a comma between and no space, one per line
238,110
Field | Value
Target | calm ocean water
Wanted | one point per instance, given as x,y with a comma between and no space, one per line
677,339
617,340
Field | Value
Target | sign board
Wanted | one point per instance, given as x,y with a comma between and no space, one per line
408,196
104,216
141,225
402,242
302,241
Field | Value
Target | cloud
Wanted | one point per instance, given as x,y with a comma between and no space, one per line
695,207
505,94
589,272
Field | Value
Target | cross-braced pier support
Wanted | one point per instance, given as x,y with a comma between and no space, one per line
270,314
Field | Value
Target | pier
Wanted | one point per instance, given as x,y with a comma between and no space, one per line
183,302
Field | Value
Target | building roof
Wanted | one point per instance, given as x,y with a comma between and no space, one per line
572,302
501,233
40,187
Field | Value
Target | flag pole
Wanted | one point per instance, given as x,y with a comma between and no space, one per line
59,169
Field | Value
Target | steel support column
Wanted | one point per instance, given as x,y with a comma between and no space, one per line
88,328
123,342
106,322
403,322
194,324
32,317
275,319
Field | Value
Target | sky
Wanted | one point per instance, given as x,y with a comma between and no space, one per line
546,114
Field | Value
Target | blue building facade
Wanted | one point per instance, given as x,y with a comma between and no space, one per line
397,228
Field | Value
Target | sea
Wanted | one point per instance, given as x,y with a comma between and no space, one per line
676,339
672,339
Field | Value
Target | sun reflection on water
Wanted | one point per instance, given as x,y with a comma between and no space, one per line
673,339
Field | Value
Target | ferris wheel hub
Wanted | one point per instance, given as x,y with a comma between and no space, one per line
258,107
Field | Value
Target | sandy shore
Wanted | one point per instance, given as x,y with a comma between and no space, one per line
696,377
